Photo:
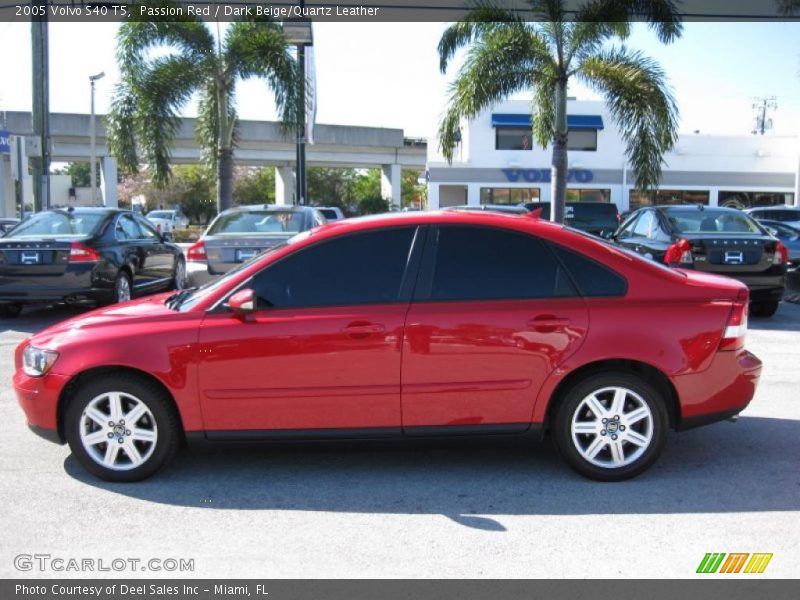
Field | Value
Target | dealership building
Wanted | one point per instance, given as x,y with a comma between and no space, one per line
497,162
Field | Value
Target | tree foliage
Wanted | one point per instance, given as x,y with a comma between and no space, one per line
166,61
506,55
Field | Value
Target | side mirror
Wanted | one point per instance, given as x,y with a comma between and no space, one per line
243,303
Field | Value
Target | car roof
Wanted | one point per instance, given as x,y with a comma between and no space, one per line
697,207
268,208
87,210
768,208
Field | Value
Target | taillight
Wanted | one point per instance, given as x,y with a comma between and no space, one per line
197,251
781,255
679,253
736,328
78,253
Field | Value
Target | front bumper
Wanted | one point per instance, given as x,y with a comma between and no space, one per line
38,397
721,391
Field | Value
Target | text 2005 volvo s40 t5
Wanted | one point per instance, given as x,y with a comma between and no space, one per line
423,324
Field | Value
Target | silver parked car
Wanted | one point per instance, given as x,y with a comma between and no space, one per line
240,233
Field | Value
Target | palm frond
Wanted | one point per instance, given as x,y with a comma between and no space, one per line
640,100
543,110
121,128
500,63
259,49
483,19
662,16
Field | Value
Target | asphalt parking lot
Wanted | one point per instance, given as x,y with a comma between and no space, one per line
430,511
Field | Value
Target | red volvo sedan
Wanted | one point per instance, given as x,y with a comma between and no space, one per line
421,324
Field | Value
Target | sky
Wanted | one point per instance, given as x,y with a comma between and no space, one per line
387,74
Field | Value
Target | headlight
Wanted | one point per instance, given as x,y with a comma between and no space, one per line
36,362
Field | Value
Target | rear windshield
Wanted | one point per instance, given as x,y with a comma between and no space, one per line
711,221
258,222
57,225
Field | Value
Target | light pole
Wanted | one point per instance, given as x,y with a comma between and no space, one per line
299,33
93,142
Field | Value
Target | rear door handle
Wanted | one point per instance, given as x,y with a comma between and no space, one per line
548,323
362,330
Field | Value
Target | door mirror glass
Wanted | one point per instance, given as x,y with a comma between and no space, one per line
242,302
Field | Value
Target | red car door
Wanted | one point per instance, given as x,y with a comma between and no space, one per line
493,316
323,350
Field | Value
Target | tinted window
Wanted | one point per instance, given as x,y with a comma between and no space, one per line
592,278
513,138
644,226
363,268
58,224
711,221
273,221
582,139
127,229
474,263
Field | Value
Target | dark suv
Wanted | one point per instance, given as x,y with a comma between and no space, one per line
598,218
718,240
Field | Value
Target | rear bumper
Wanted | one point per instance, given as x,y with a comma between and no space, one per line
78,284
721,391
38,397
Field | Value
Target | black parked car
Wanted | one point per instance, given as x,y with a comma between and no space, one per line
598,218
724,241
85,254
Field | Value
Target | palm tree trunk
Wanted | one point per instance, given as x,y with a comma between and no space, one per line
558,175
224,178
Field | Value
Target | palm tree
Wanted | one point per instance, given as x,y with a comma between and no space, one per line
155,85
508,55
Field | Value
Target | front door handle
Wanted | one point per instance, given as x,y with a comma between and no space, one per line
363,329
547,323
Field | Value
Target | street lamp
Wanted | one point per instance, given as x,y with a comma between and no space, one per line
299,33
93,143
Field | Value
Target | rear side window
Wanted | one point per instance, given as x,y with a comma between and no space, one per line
363,268
481,263
592,278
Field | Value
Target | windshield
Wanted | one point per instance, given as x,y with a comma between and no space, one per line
267,221
711,221
160,214
57,224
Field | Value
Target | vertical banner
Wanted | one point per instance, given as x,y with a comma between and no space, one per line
311,94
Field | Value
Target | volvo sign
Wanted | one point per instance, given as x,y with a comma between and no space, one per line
543,175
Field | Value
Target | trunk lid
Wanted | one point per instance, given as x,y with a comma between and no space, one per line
24,256
224,253
731,254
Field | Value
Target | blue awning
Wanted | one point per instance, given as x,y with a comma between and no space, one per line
573,121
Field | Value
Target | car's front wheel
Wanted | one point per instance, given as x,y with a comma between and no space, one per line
122,427
179,278
611,427
122,287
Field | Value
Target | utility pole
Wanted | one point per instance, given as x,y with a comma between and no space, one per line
40,112
761,105
93,142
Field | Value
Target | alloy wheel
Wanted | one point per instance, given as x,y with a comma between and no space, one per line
612,427
123,289
118,431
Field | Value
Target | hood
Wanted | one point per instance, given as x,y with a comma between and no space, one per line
116,317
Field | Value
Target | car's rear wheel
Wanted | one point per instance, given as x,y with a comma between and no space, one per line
764,309
179,279
122,287
122,427
611,427
10,310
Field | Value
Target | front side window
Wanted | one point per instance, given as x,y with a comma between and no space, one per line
127,229
645,225
362,268
479,263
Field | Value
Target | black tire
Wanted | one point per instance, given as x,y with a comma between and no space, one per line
10,311
764,309
175,284
657,426
122,279
165,417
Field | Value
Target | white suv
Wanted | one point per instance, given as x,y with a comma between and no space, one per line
167,220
